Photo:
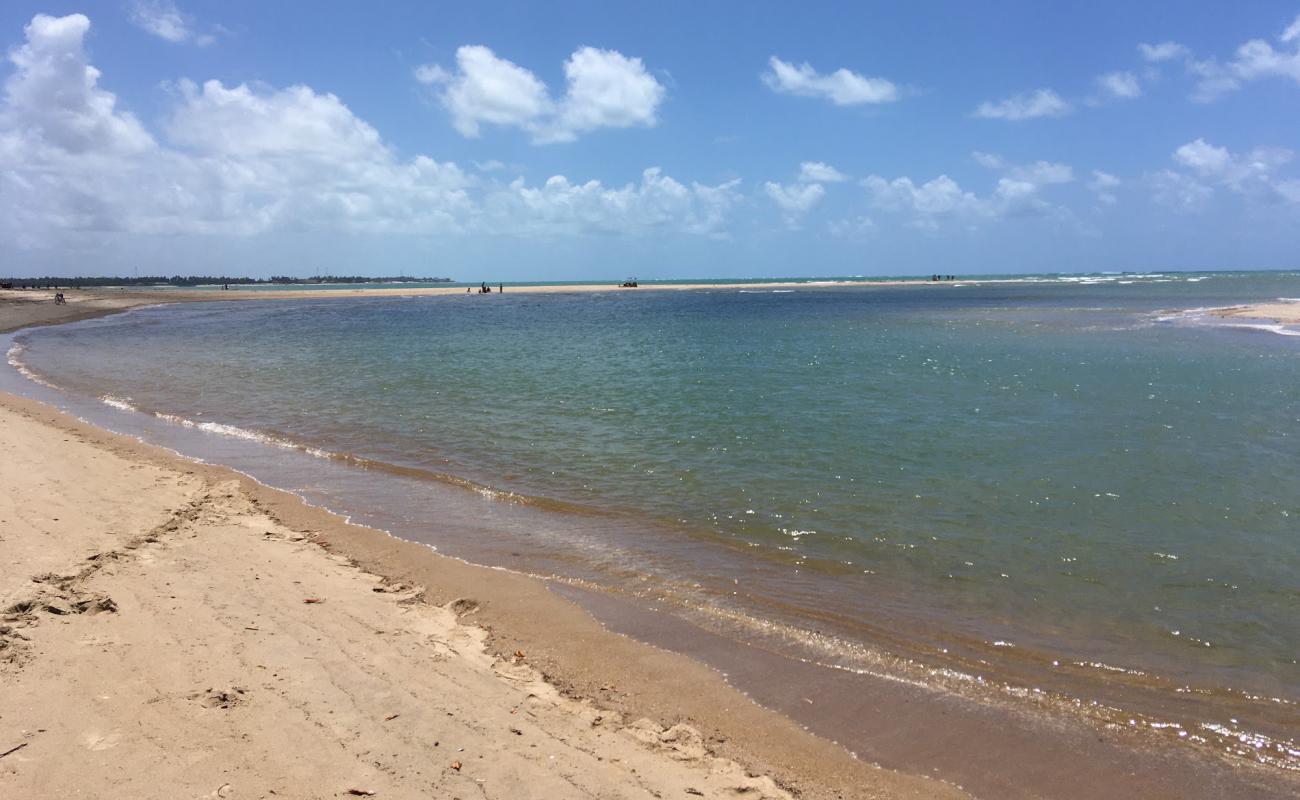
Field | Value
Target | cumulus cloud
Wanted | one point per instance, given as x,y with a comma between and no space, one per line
1017,193
1164,51
1030,105
657,204
1255,60
795,199
605,89
842,87
488,89
1203,156
939,198
239,160
817,172
1119,85
163,19
53,94
1253,175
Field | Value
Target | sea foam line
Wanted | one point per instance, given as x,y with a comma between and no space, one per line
13,357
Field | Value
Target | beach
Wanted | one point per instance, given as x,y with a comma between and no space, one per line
169,627
456,651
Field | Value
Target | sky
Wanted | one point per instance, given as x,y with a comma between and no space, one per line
596,140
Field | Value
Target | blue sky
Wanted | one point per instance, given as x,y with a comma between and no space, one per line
523,141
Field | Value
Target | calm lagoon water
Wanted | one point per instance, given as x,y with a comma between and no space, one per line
1081,484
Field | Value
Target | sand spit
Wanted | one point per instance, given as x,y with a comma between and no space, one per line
21,308
1280,312
176,630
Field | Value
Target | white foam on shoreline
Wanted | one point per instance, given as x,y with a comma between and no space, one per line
117,402
13,357
1206,317
234,432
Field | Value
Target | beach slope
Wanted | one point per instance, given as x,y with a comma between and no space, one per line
164,634
164,637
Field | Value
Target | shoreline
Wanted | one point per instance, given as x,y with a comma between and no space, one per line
1277,313
394,557
21,308
572,653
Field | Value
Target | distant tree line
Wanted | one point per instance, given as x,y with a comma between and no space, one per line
202,280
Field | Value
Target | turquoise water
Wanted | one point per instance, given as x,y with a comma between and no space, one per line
1015,474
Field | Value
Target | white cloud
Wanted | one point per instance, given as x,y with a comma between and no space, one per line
1179,192
163,19
240,161
657,204
1017,193
1253,175
794,199
54,98
1165,51
1030,105
1255,60
1120,85
1203,157
938,198
488,89
1103,184
1292,32
842,87
605,89
1039,173
818,172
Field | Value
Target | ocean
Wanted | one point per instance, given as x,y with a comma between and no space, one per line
1072,491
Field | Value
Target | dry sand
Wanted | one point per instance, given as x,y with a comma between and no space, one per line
1281,313
175,630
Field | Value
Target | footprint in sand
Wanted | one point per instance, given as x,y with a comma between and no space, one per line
102,741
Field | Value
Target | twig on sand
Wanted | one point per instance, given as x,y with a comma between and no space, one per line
14,749
361,793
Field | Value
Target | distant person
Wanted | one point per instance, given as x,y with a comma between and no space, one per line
467,291
501,287
58,299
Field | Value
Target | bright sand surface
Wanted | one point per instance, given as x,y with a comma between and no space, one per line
1281,313
169,629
